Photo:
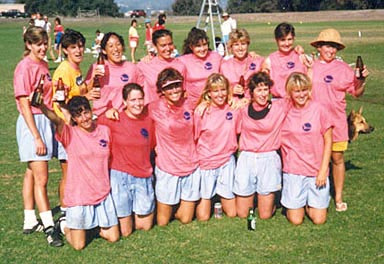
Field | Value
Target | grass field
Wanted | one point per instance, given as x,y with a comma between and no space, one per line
356,236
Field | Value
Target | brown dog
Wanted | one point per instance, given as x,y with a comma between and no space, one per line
357,124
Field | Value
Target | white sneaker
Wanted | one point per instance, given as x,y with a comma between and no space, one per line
58,60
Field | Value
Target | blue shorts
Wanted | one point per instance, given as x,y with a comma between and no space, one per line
219,180
170,189
299,191
132,194
225,39
257,172
59,150
26,142
90,216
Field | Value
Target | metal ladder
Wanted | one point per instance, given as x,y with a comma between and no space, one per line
210,10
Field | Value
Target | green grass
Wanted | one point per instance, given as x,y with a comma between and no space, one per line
356,236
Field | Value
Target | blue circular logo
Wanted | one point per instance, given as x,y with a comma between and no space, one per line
229,116
144,133
124,77
48,77
79,80
103,143
307,127
328,78
290,64
187,115
208,66
252,66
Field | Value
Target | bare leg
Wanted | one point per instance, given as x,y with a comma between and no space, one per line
186,211
144,222
133,50
76,238
266,205
28,190
229,206
40,176
126,225
318,216
243,203
295,216
111,234
338,172
164,213
203,210
64,169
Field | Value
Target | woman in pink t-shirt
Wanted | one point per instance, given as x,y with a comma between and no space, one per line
199,61
332,79
113,75
241,66
34,133
177,167
306,152
216,135
285,60
87,188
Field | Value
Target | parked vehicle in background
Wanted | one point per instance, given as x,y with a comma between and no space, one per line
13,13
138,13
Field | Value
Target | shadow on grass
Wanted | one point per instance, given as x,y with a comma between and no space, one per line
350,166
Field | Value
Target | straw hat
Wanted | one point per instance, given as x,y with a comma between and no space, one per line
225,14
328,35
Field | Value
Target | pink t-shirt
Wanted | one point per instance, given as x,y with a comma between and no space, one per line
263,135
175,145
112,83
281,67
148,72
26,78
330,82
88,157
216,134
303,139
198,71
234,68
132,141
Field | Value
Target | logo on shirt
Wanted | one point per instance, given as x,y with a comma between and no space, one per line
328,78
208,66
252,66
187,115
229,116
79,80
290,64
307,127
124,77
103,143
144,133
48,77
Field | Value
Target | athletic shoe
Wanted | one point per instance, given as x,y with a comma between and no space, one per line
61,223
53,237
37,228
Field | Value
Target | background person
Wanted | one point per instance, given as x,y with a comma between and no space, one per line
227,26
133,37
34,134
58,32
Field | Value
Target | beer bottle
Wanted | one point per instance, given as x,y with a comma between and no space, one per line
359,68
96,84
60,94
242,83
37,97
101,63
251,219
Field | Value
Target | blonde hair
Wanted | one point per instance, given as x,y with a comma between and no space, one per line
298,80
238,35
34,35
213,81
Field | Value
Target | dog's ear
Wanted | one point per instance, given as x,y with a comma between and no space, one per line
351,126
360,110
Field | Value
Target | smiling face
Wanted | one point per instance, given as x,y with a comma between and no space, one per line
84,120
260,94
218,95
38,50
240,49
285,44
134,104
75,53
165,47
200,50
327,52
114,50
300,96
174,93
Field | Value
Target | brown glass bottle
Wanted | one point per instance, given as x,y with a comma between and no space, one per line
359,68
100,59
96,84
37,97
60,94
242,83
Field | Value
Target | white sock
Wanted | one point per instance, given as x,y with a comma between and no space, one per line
30,219
47,218
63,225
63,210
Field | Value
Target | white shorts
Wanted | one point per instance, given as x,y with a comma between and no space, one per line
90,216
26,142
59,150
299,191
257,172
170,189
133,43
132,194
219,180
